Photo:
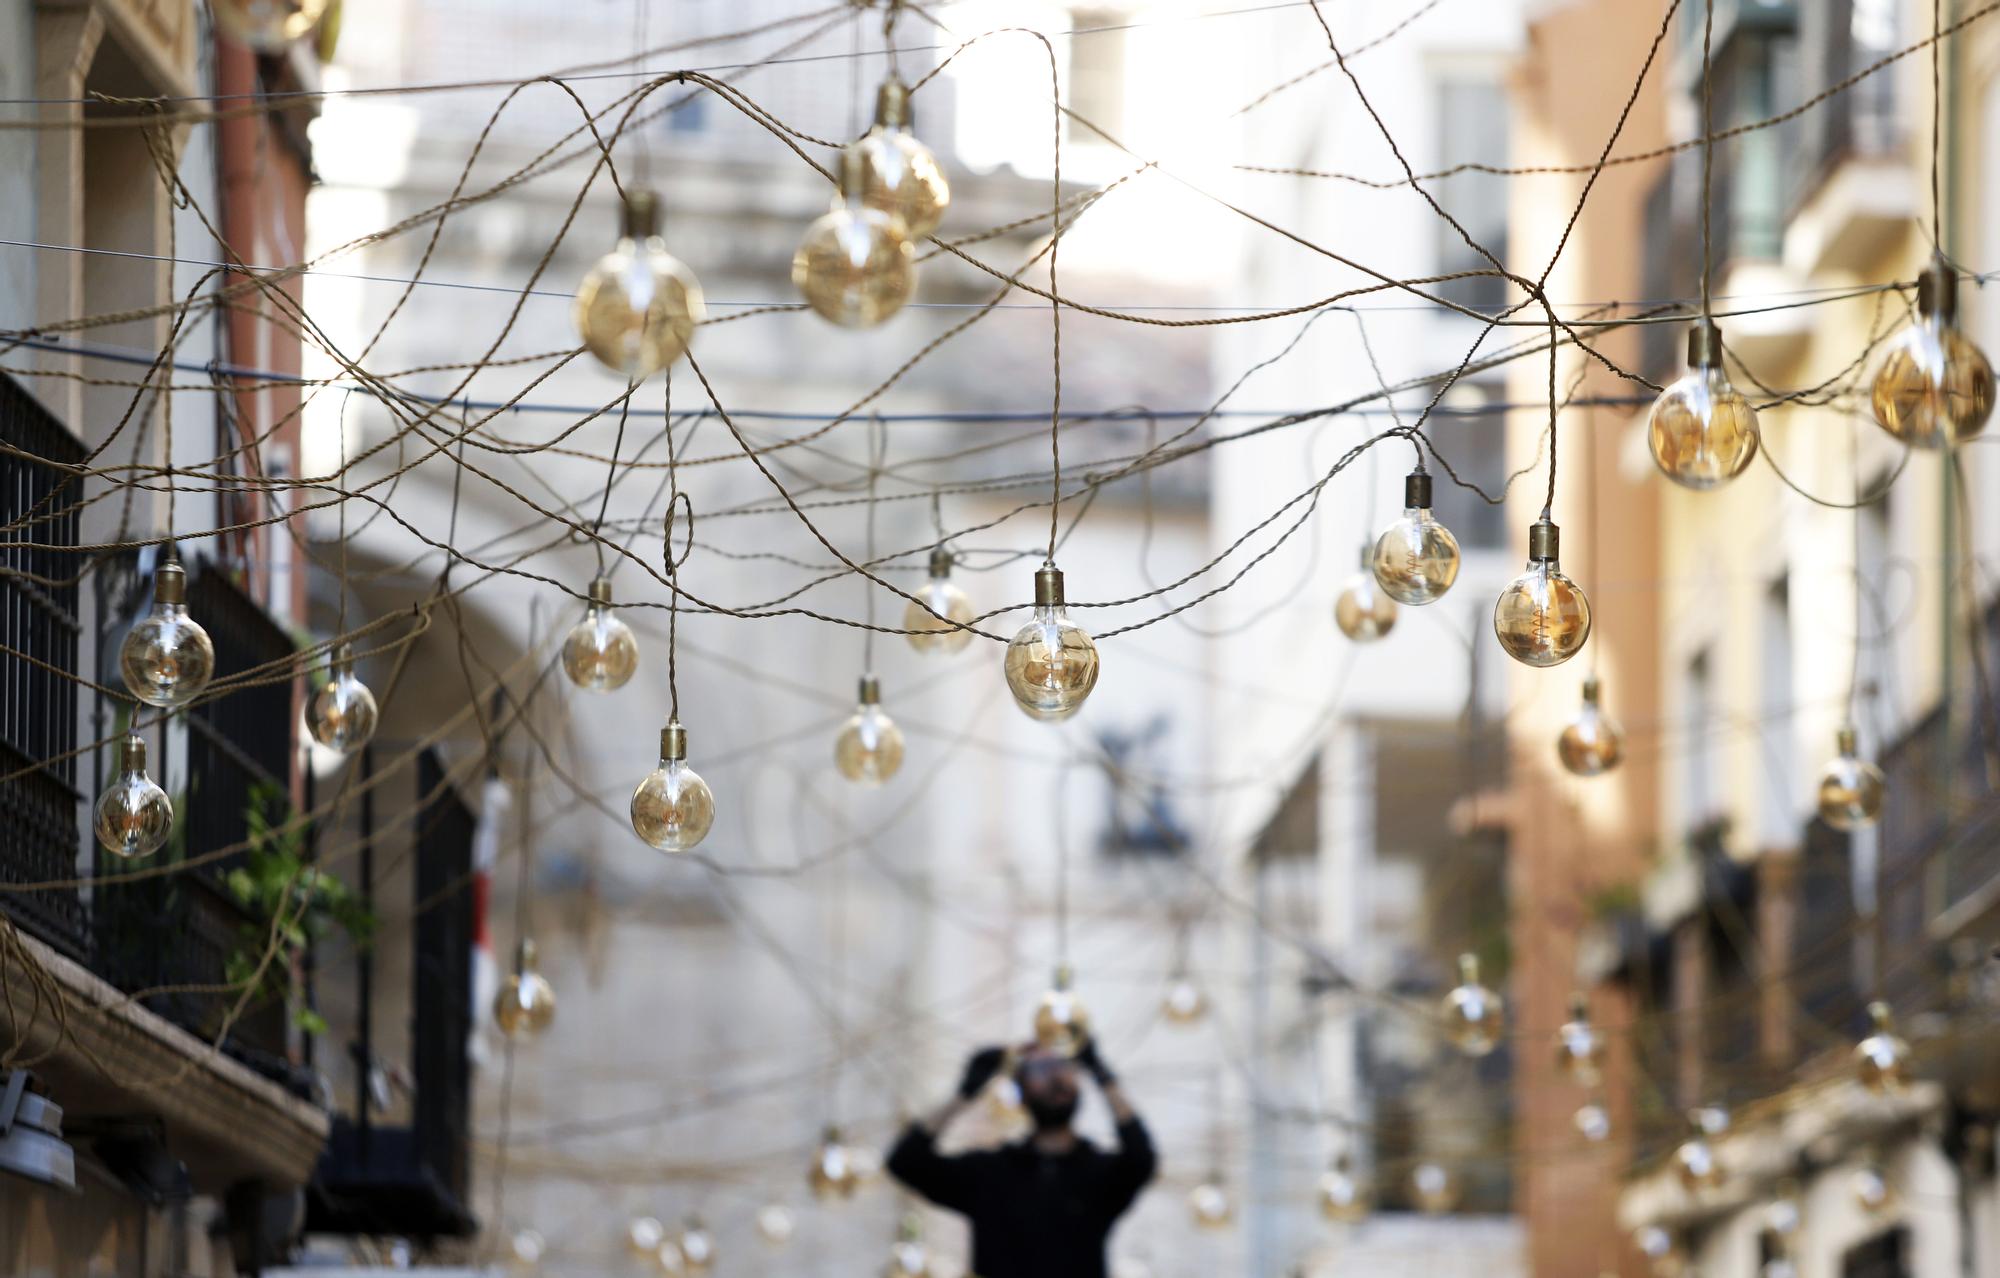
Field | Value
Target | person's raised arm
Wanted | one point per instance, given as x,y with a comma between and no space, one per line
1135,1160
915,1159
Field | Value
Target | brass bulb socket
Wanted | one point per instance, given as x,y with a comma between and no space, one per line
1579,1007
600,591
524,956
1544,541
831,1134
1845,740
1704,344
642,215
170,583
1880,1016
892,104
940,562
1468,968
132,753
1048,587
871,690
1064,975
853,173
1417,490
1592,691
673,741
342,660
1937,292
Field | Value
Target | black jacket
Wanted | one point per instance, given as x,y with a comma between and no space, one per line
1033,1215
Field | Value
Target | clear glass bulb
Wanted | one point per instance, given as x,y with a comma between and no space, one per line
600,654
668,1260
1062,1023
1580,1049
1592,1122
1341,1196
167,658
134,815
638,307
1935,387
1433,1188
1542,619
1702,430
1850,788
1695,1160
644,1234
1363,610
1051,663
1416,558
832,1174
697,1246
1591,743
907,1259
775,1224
526,1001
1474,1016
855,266
1882,1060
526,1248
1184,1003
869,749
342,714
1872,1191
267,25
1663,1258
931,633
673,809
1210,1205
899,175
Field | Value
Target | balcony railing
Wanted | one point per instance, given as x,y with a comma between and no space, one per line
1838,38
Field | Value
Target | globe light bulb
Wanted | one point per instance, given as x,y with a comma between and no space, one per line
167,658
667,1258
930,625
775,1224
869,749
832,1174
342,714
638,307
267,25
1882,1060
134,815
1591,743
1850,788
1934,388
1062,1023
908,1257
1416,558
1783,1219
1210,1205
1433,1188
526,1248
600,653
1363,610
1592,1122
1702,430
1695,1160
855,266
697,1246
1871,1190
526,1000
1580,1048
1663,1257
1342,1198
1184,1003
1051,663
644,1234
1474,1016
899,175
1542,619
672,809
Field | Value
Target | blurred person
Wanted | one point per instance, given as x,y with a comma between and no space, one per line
1042,1207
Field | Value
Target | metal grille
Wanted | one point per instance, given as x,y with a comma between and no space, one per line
38,706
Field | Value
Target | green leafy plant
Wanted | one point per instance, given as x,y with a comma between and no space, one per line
281,889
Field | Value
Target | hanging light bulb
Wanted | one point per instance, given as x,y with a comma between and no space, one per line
930,624
1542,619
134,815
1184,1003
1592,1122
1342,1197
1871,1190
638,307
1850,788
1591,743
1051,663
855,265
526,1000
644,1234
672,809
775,1224
1782,1219
1695,1160
899,175
1433,1188
1882,1060
667,1258
1579,1047
1062,1023
908,1257
697,1246
526,1248
1210,1205
167,658
267,26
1473,1015
832,1174
342,715
1416,558
600,654
1703,432
1363,610
1663,1257
869,748
1935,388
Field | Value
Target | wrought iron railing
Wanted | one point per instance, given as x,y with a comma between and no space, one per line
1837,39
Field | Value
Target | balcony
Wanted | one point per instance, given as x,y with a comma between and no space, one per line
1850,189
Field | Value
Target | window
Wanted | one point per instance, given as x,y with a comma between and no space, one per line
1097,73
1700,795
1141,816
1472,435
1471,129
